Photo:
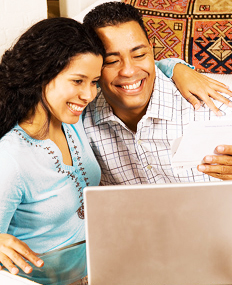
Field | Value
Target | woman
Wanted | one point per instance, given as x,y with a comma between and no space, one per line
46,81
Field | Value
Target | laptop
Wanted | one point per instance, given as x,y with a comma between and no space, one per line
172,234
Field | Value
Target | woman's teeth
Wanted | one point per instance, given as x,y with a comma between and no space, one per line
132,86
75,107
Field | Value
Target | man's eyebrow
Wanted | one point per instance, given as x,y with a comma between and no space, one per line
132,50
138,47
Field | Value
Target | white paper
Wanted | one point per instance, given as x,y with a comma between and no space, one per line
200,139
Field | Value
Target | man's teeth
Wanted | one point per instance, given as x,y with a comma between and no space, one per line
75,107
132,86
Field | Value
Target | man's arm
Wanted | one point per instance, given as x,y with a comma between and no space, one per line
194,87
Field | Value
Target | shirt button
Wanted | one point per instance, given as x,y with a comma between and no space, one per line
76,170
149,167
75,159
139,142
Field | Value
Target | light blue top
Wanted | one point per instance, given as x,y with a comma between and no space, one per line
40,197
167,65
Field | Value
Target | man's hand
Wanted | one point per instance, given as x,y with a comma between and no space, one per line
218,166
13,251
194,86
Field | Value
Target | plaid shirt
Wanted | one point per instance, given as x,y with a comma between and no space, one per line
144,157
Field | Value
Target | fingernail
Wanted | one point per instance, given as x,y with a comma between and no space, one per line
220,148
14,270
208,159
197,106
201,167
28,269
39,263
219,113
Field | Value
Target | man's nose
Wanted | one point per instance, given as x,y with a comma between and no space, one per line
128,68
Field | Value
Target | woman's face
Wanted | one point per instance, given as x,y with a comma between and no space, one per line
74,88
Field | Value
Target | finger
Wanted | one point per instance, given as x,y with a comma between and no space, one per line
221,169
30,255
10,257
224,90
8,264
23,249
211,105
217,96
17,250
192,100
218,159
220,176
218,85
224,149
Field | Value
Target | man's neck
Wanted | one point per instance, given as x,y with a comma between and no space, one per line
130,118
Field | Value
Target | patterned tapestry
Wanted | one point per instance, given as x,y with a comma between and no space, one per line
198,31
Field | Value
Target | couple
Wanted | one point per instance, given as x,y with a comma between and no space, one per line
46,81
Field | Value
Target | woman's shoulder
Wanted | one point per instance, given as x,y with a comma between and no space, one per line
9,140
15,143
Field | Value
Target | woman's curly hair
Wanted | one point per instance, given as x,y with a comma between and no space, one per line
39,55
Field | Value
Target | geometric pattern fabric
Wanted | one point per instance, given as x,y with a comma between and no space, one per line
198,31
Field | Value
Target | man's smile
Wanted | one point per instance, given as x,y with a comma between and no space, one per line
132,86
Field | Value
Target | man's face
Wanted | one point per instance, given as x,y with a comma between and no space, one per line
129,70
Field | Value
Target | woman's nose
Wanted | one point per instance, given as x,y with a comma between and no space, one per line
88,93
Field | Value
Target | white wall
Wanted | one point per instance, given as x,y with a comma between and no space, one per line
16,16
78,8
70,8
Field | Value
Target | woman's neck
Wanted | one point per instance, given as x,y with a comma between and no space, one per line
38,126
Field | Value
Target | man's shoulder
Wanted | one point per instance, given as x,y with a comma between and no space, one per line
165,89
164,83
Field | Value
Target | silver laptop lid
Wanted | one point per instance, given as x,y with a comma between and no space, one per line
172,234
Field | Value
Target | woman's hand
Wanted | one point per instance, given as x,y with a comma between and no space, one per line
194,86
13,251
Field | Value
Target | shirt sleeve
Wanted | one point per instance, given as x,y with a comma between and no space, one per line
10,190
167,65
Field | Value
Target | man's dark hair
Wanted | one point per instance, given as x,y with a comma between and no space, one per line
111,14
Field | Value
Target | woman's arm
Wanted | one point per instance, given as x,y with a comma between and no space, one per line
12,250
194,87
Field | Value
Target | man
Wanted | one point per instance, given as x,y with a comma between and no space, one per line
132,122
